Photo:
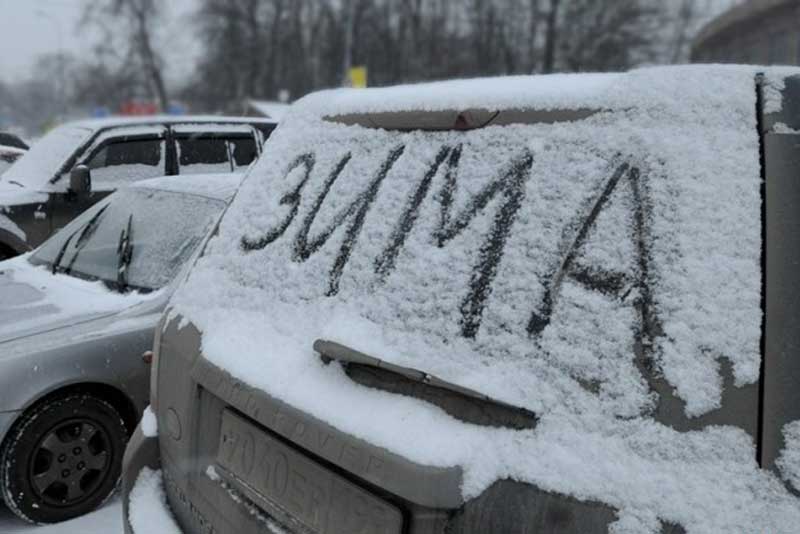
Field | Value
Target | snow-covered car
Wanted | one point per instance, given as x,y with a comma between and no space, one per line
79,163
560,303
77,318
11,149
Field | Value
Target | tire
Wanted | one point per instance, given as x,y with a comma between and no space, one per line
62,459
6,253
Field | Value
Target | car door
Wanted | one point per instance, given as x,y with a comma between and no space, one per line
116,157
203,149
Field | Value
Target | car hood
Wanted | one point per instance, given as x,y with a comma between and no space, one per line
13,194
34,301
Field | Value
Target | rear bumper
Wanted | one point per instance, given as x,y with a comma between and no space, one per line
142,451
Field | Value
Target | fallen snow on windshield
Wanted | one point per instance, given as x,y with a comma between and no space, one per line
566,268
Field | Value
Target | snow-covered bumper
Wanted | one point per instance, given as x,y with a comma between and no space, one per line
142,453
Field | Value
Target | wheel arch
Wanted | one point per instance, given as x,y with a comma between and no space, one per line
117,398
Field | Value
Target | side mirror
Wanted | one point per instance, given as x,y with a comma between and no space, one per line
80,180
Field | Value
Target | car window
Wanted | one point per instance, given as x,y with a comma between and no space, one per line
125,161
203,155
244,151
88,247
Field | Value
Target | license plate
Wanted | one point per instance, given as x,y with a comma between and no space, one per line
321,500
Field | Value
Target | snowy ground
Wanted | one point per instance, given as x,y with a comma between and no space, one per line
108,520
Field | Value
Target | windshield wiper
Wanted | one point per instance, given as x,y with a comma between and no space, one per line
124,254
86,233
460,402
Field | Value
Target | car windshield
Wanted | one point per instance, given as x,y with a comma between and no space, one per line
46,157
122,241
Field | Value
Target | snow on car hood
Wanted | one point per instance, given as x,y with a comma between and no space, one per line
13,194
34,301
517,261
45,158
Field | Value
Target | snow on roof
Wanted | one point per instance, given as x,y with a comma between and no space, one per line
273,110
215,127
221,186
648,88
110,122
564,268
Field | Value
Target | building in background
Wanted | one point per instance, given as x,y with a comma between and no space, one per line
757,31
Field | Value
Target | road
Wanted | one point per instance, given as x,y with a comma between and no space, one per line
107,520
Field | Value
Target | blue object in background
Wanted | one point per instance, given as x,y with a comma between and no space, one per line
176,109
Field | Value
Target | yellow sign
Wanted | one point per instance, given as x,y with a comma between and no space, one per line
358,77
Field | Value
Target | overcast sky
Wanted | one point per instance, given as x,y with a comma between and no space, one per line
29,28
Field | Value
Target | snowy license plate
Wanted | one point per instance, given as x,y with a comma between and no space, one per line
311,494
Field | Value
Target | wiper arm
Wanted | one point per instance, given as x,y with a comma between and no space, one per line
86,233
62,251
125,254
460,402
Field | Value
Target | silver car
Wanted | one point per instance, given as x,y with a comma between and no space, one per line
77,317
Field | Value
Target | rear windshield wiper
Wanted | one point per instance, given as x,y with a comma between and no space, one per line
124,254
460,402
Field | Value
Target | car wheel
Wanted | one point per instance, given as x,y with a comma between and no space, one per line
62,459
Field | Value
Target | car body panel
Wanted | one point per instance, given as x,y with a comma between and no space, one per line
193,394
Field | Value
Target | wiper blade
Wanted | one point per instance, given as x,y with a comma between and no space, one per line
83,238
125,254
62,251
460,402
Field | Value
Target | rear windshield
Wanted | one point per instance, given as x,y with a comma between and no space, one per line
565,246
47,155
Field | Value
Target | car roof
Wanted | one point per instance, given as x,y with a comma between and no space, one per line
111,122
221,186
652,88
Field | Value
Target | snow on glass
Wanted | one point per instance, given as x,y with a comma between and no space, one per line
566,268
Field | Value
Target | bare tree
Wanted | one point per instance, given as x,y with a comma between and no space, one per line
255,48
137,20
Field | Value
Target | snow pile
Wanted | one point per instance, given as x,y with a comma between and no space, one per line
148,510
149,423
531,262
789,461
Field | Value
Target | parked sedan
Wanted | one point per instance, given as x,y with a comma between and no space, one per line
77,317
